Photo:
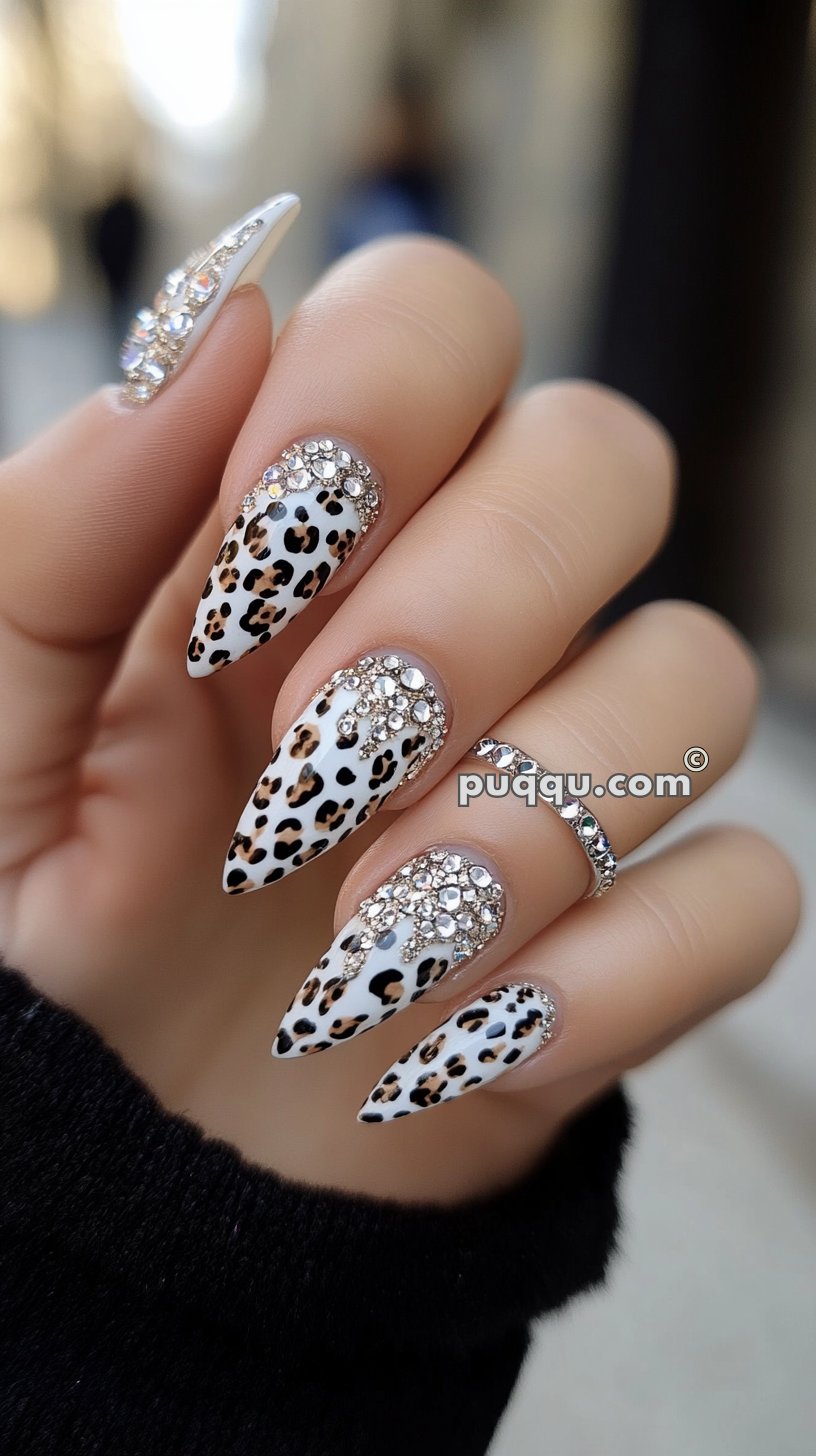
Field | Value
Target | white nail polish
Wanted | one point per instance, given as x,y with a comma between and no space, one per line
162,338
436,913
295,529
477,1044
372,727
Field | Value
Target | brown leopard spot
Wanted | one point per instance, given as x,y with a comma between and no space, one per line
388,986
388,1089
382,769
473,1019
428,1090
228,552
308,991
267,582
345,1026
228,578
431,1049
256,539
530,1022
340,544
305,740
301,539
331,815
260,616
306,788
333,991
196,649
216,622
288,838
265,791
312,582
456,1066
246,846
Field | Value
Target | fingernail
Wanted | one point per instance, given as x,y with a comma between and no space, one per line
372,727
162,338
433,915
473,1047
298,525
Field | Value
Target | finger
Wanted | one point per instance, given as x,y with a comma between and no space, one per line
685,933
382,377
558,505
458,884
97,510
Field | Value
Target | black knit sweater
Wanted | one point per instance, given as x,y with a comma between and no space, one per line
160,1295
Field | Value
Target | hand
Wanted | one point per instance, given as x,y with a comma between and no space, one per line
502,529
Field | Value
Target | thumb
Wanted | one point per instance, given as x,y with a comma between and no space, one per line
93,514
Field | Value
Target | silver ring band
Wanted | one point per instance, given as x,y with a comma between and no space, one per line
574,812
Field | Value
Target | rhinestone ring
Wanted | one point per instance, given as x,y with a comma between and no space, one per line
574,812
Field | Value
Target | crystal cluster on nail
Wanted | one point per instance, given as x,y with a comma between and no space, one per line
158,336
434,914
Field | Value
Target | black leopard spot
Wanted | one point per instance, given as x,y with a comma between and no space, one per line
300,540
473,1019
411,746
195,650
260,615
288,838
340,544
428,1090
345,1027
308,991
527,1024
346,775
265,790
431,1049
387,986
228,552
313,581
456,1066
256,539
333,991
305,741
382,769
306,788
228,579
331,815
216,622
267,582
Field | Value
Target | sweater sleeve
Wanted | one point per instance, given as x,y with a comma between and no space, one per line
158,1294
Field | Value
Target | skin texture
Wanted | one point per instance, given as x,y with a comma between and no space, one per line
504,528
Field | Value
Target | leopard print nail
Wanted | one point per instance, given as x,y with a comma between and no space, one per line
293,532
370,728
473,1047
434,914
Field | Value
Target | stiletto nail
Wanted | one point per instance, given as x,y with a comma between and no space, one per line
162,338
473,1047
372,727
298,525
434,914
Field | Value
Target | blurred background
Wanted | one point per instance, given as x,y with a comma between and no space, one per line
641,176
